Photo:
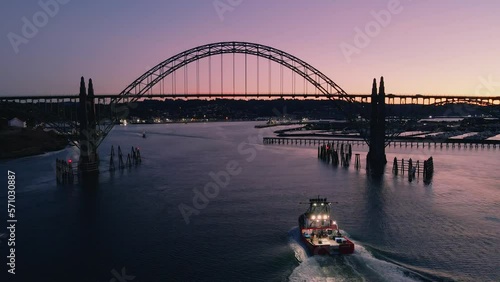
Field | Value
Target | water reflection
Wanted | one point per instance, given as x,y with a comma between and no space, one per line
374,212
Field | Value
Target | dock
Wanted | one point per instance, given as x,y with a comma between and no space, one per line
448,143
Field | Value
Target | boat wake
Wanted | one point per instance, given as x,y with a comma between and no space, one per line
360,266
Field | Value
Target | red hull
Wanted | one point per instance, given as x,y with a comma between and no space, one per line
344,249
320,233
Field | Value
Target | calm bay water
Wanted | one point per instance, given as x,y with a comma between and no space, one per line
448,230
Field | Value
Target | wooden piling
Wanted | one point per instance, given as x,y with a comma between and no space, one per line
357,162
139,159
121,165
129,161
410,170
58,171
395,166
112,159
428,170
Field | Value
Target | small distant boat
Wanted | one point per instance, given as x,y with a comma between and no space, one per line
320,232
143,134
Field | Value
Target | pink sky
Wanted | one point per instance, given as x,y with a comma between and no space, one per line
427,47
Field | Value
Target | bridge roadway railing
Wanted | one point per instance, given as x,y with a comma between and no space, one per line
403,99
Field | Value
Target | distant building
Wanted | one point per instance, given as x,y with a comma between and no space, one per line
15,122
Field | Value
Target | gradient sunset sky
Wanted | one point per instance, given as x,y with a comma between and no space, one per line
428,47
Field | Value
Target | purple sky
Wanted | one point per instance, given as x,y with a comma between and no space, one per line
427,47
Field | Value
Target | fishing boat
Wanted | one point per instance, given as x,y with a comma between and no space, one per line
320,232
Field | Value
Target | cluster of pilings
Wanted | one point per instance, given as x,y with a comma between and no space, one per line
133,158
414,169
64,172
328,153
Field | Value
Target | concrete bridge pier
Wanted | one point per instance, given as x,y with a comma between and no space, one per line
376,155
88,164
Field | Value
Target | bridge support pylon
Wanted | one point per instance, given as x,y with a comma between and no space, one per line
376,154
88,164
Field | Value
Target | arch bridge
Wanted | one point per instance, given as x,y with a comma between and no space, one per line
154,83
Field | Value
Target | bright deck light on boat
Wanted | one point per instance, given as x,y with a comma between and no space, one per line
334,222
325,216
314,204
322,204
313,217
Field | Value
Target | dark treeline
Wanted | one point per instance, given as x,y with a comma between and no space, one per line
228,109
219,109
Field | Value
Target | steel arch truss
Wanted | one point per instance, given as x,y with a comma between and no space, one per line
326,87
145,82
140,87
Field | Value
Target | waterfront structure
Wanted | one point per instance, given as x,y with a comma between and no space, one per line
111,109
376,155
15,122
88,163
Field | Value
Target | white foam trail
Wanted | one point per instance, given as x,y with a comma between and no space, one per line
375,269
322,269
360,266
297,247
316,268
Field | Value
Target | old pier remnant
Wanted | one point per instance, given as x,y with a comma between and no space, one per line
328,153
413,169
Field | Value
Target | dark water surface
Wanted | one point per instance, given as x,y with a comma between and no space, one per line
247,229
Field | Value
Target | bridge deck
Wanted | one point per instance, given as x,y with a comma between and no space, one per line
391,99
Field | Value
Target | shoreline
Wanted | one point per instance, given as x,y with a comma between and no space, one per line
21,142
